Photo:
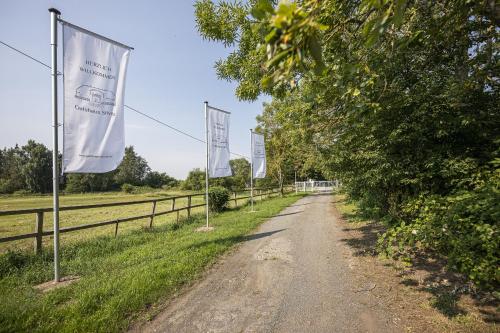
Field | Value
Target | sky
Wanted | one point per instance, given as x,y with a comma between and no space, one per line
170,73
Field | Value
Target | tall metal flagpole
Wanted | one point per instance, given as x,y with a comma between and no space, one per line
55,149
206,167
251,169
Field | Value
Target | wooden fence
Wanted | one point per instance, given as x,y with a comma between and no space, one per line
39,214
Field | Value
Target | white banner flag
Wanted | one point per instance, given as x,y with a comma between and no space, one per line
258,156
94,85
218,143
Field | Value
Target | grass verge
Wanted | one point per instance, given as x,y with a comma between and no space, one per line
119,277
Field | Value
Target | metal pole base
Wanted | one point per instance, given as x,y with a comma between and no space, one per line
204,229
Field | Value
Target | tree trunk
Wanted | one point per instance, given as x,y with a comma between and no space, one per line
280,181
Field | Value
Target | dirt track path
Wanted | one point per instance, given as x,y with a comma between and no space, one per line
293,275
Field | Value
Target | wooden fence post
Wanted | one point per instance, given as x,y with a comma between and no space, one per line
39,231
152,215
38,234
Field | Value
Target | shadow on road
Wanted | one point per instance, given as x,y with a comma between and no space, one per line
286,214
298,205
261,235
234,239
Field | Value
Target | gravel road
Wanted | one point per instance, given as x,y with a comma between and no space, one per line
294,274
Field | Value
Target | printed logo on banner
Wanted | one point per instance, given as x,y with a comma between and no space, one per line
99,98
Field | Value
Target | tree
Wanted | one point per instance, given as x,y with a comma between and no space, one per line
153,179
156,179
11,164
90,182
238,181
279,147
241,174
37,167
30,168
399,99
195,180
132,170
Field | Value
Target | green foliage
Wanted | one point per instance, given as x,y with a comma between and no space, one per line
462,225
11,163
229,15
29,168
37,169
132,169
156,179
218,199
293,34
241,174
90,182
195,180
21,193
240,179
230,24
398,99
128,188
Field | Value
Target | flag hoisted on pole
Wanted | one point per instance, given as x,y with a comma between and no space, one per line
218,143
95,68
258,156
257,159
217,149
94,82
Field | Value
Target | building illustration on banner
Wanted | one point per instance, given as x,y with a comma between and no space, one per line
96,97
259,150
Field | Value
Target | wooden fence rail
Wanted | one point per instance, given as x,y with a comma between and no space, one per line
39,213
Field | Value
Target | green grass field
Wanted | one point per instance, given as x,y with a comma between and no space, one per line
21,224
120,278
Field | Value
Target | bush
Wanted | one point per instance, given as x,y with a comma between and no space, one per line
75,183
21,193
127,188
463,226
8,186
218,198
168,187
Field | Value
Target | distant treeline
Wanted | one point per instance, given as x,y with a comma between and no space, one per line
29,169
240,180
